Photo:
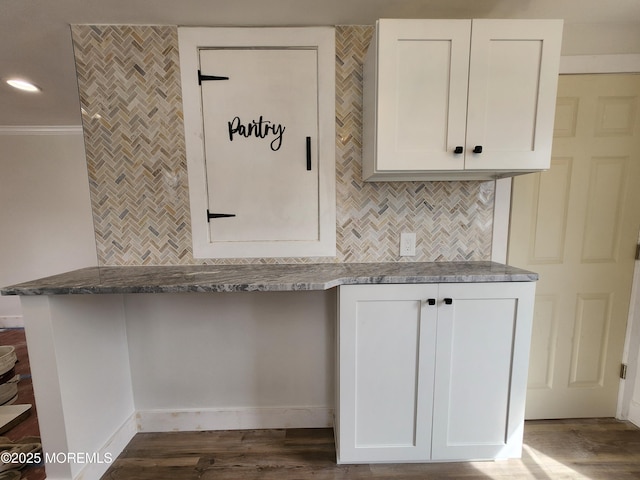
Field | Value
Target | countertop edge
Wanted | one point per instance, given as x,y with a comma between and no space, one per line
316,277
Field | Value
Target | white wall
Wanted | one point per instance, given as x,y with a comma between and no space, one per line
46,225
600,38
231,350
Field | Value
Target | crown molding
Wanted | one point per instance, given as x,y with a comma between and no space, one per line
619,63
40,129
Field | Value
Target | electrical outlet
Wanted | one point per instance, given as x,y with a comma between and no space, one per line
407,244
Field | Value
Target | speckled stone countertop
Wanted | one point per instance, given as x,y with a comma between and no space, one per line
268,278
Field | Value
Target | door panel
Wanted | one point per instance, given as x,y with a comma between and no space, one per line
544,334
255,127
551,195
386,404
577,225
607,185
588,357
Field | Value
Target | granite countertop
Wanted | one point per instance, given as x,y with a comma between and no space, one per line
273,278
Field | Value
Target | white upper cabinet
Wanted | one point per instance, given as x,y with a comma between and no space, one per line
459,99
260,136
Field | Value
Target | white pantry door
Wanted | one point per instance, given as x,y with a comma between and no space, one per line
577,226
261,134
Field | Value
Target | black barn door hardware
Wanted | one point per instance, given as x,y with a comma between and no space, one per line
219,215
203,78
308,153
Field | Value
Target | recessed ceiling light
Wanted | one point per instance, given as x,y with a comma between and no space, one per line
23,85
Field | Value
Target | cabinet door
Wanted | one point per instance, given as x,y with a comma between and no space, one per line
421,93
481,370
513,77
255,128
386,344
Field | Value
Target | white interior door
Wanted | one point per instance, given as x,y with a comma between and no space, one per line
261,134
577,225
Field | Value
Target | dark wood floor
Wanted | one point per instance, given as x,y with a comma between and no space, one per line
559,449
28,428
589,449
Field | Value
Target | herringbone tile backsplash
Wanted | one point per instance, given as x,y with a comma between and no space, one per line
129,81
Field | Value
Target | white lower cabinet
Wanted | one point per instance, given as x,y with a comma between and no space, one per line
432,372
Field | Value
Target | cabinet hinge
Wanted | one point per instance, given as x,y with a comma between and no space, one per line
202,78
623,371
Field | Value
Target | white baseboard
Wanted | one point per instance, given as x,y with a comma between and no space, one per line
233,419
14,321
110,451
634,413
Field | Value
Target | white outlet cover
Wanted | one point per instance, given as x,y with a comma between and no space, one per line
407,244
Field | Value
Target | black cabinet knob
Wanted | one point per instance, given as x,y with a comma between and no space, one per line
431,301
458,150
477,149
448,301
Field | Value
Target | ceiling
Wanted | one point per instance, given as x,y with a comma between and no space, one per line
36,39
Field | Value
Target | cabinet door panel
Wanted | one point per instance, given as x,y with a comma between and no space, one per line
480,379
255,129
387,372
513,79
422,89
386,348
